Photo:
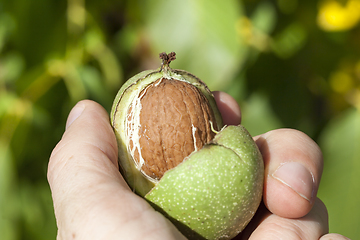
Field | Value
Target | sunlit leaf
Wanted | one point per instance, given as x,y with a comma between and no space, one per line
258,117
74,82
111,68
95,87
264,17
202,33
289,41
12,66
340,188
6,101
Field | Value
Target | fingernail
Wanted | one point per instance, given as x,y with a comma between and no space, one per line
297,177
75,113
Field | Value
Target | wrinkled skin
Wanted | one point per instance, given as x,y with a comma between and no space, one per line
92,200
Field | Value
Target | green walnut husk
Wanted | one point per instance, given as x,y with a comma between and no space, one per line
216,190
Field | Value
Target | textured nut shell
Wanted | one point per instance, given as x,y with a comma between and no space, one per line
125,97
175,120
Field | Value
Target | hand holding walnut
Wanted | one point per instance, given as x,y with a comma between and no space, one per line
92,201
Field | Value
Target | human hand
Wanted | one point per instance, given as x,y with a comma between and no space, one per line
92,200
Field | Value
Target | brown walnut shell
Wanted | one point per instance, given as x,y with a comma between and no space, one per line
175,120
160,117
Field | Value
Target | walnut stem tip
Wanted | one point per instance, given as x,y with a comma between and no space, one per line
167,58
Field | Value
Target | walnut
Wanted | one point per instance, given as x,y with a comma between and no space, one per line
175,120
173,151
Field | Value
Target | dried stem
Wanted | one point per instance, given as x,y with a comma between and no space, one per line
167,58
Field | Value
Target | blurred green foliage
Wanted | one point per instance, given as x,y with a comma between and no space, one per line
288,64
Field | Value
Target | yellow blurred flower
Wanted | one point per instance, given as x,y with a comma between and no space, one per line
341,82
335,16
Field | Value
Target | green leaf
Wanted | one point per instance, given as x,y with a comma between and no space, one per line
340,188
6,101
12,66
94,86
108,63
7,25
290,40
202,33
37,211
258,116
8,203
264,17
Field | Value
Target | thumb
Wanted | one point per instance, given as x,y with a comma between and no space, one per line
91,199
83,168
89,139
